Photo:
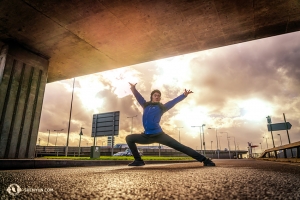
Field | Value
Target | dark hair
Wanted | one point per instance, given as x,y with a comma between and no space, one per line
157,91
161,106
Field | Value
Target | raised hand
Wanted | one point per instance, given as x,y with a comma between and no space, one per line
187,92
132,85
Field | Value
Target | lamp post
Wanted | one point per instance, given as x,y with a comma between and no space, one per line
203,140
260,146
235,147
132,122
68,135
48,137
39,141
200,137
57,131
270,123
266,141
211,145
280,138
228,144
80,134
217,141
220,141
179,131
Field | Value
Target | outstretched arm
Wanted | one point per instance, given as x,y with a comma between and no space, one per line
173,102
137,95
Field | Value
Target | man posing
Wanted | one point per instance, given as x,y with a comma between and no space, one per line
153,110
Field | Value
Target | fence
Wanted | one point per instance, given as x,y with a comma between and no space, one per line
106,151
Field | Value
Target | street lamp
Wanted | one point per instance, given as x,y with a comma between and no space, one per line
228,144
80,134
48,137
235,147
220,141
179,132
260,146
266,141
57,131
200,137
217,140
203,139
132,122
39,141
211,145
280,138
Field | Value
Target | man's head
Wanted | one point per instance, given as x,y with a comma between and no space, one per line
155,96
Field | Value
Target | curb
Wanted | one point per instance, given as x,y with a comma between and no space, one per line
37,164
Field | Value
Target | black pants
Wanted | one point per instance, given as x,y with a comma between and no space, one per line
161,138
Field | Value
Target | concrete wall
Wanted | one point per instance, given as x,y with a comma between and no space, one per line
23,76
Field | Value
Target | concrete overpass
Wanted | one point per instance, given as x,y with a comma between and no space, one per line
46,41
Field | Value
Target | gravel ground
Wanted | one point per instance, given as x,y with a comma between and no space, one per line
230,179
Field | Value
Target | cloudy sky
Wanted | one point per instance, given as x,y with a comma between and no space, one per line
235,88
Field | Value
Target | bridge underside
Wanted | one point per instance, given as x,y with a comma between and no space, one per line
46,41
84,37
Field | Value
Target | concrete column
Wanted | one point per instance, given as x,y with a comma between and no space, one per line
23,77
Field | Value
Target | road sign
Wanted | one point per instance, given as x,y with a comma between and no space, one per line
279,126
106,124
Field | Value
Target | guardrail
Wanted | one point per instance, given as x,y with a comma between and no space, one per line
285,151
106,151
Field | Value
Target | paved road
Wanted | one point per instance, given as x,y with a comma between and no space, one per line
231,179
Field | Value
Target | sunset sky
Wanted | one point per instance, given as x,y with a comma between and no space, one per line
235,88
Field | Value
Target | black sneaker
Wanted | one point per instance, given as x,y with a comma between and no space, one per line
208,162
137,163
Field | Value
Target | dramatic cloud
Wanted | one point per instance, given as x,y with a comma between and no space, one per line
235,88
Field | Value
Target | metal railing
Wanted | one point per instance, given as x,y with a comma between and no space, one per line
285,151
106,151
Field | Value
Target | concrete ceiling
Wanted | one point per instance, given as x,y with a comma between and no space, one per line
87,36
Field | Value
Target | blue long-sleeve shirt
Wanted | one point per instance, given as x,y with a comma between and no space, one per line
152,113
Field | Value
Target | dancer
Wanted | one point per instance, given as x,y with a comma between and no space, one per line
153,110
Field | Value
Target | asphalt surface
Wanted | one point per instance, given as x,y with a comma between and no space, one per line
230,179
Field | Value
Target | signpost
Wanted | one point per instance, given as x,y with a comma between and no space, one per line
279,127
106,124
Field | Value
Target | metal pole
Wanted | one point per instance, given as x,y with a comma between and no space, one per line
132,122
272,136
235,148
217,143
287,132
48,137
280,138
113,133
260,146
228,146
179,132
80,134
203,140
57,131
67,145
200,139
79,145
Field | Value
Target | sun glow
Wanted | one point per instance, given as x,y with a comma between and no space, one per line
255,109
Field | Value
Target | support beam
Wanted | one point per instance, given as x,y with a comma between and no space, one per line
23,77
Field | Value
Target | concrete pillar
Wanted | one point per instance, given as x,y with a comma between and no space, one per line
23,76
